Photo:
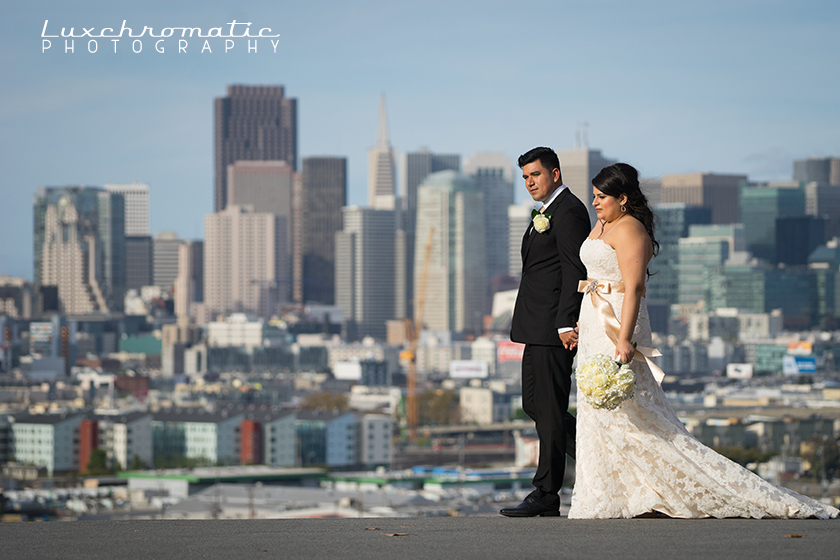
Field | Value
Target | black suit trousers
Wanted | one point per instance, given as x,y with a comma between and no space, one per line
546,383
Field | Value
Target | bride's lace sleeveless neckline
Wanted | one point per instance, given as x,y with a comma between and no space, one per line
600,260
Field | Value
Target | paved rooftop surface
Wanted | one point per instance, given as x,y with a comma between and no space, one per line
434,538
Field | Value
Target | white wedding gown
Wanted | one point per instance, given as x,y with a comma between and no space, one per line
639,458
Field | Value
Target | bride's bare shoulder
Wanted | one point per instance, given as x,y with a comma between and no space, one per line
630,229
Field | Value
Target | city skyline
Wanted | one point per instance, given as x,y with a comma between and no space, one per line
740,89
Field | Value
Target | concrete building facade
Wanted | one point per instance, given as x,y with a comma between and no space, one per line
244,261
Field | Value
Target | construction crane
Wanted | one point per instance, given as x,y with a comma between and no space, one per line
413,333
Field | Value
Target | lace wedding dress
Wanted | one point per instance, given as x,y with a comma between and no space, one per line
639,458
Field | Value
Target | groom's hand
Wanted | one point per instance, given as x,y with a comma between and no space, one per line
569,339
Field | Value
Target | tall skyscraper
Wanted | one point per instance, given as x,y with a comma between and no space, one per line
252,123
762,204
672,223
364,271
79,247
733,234
493,175
822,200
822,170
449,208
244,257
323,194
652,189
416,166
138,244
699,260
139,262
519,218
382,173
136,207
267,186
579,167
718,192
165,247
797,237
189,284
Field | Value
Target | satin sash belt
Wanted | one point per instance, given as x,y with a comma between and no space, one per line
595,289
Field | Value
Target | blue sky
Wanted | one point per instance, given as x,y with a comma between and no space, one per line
671,87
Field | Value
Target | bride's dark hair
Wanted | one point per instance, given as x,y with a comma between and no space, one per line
621,178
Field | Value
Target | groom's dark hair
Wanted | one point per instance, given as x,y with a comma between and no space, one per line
548,158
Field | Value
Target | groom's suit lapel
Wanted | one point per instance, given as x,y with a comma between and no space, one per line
529,236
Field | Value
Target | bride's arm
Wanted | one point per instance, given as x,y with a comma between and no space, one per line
633,251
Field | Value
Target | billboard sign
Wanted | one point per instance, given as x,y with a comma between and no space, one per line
739,371
795,365
507,351
468,369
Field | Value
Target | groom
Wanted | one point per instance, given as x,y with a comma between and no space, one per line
544,318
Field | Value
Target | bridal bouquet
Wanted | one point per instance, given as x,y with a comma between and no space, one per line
604,382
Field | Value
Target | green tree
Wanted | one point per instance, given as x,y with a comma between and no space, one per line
519,414
325,401
823,453
743,456
136,464
98,463
182,462
438,407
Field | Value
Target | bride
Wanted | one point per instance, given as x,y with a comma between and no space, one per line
639,458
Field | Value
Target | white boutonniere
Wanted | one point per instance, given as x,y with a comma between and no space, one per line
541,221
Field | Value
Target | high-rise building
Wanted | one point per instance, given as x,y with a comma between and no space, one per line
652,189
519,219
763,289
578,167
189,284
761,205
138,243
252,123
415,167
244,257
323,194
493,175
733,234
449,212
698,259
364,271
672,223
382,173
79,247
822,200
165,259
136,207
718,192
822,170
797,237
268,187
16,298
139,262
265,185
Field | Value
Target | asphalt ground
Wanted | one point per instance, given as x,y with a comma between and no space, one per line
434,538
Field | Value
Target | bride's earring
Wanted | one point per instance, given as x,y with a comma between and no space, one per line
623,208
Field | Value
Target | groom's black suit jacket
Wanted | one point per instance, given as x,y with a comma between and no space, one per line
548,296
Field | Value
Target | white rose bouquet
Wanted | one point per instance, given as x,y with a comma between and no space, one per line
541,221
604,382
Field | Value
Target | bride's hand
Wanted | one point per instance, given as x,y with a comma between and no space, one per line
624,351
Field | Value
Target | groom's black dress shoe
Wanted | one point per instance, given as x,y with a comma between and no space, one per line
532,506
